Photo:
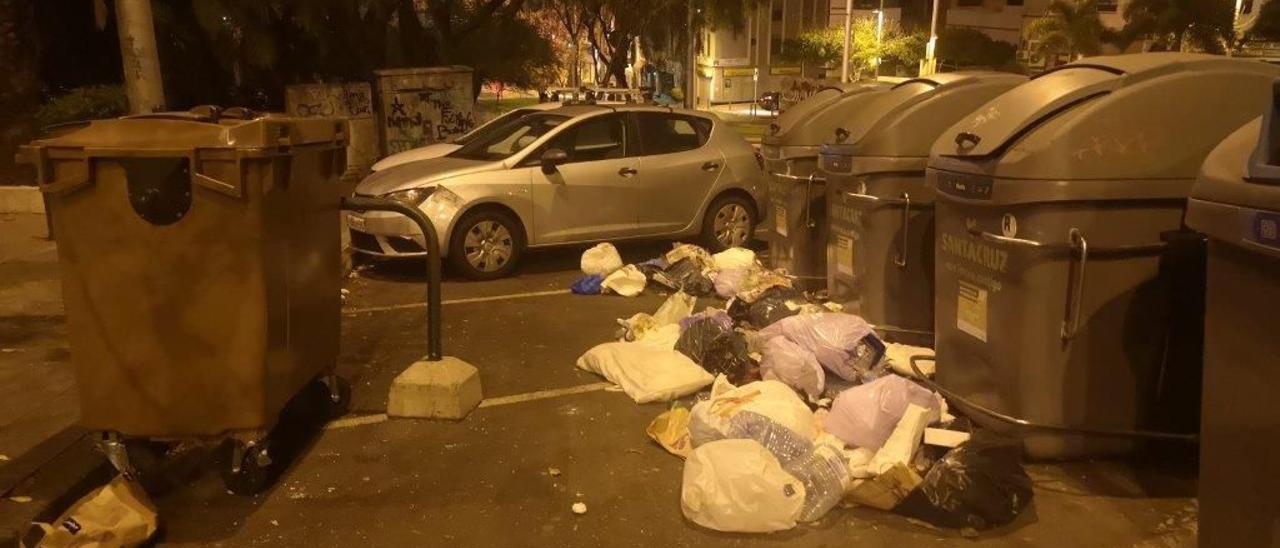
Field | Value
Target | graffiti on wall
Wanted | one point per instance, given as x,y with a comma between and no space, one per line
331,100
418,117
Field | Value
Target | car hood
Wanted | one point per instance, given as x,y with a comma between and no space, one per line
421,173
423,153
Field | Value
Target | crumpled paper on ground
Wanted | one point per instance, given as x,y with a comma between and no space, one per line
115,515
671,430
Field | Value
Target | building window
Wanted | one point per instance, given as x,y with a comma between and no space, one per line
866,4
1013,2
777,13
1107,6
775,46
968,3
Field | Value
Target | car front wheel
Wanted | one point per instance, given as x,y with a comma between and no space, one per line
729,222
486,245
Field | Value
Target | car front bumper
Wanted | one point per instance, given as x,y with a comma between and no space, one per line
387,234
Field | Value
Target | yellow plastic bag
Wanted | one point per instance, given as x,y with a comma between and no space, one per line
671,431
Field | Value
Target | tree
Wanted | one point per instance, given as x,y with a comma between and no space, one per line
1069,26
1176,25
960,47
1266,25
20,90
825,47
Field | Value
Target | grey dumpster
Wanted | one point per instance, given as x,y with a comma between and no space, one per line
201,272
1058,207
1236,203
879,211
797,199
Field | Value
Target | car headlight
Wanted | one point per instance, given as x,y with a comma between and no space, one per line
412,197
443,203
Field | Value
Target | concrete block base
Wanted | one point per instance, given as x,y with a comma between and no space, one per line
447,389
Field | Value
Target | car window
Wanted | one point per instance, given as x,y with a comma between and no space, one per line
493,124
599,138
509,138
663,133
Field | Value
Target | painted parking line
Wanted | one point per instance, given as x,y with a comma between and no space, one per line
410,306
365,420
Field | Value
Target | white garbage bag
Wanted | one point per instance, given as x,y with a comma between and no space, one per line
776,401
649,370
627,281
601,260
734,258
739,486
835,338
866,415
677,307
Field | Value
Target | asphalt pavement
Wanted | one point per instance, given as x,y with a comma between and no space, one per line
550,435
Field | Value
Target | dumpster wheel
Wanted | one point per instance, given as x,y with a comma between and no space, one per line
249,471
335,391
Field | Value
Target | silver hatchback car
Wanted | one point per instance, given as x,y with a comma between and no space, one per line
570,175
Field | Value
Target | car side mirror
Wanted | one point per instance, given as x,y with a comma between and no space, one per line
552,158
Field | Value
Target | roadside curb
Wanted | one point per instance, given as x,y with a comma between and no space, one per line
49,478
21,199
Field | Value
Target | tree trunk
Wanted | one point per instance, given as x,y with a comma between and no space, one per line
138,54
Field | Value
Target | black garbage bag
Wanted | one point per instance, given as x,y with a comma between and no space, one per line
686,275
772,305
718,350
980,484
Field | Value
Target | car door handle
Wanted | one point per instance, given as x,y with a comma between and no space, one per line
627,172
710,166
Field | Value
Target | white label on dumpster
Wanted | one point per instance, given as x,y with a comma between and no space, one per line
971,310
356,222
780,220
844,255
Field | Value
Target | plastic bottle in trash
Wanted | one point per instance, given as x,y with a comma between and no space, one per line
819,468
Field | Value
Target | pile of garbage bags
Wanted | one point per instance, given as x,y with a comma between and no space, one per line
732,273
808,409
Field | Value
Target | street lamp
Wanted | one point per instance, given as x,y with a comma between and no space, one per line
929,64
848,37
879,36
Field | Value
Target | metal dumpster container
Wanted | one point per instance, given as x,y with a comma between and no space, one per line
1061,272
879,210
797,199
1236,203
201,268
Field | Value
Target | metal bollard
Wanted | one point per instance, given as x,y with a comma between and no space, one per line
364,203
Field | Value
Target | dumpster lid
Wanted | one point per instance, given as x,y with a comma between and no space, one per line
1244,169
822,125
800,115
199,128
907,119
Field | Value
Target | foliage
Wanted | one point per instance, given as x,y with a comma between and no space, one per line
965,47
86,103
1175,25
1071,27
825,46
1267,24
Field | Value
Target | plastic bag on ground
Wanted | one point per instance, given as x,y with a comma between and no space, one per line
651,267
905,439
671,431
627,281
710,419
647,371
733,258
758,281
773,305
739,486
116,514
600,260
697,255
719,316
843,343
685,275
718,350
786,362
677,307
728,280
885,491
979,484
820,468
898,357
587,285
866,415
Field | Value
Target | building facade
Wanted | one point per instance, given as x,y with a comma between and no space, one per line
1007,21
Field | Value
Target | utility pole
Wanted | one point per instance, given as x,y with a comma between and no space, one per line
848,38
690,61
929,64
139,56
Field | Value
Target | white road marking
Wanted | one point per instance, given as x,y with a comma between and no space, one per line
410,306
365,420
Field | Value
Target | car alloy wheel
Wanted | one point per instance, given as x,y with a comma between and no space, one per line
732,225
488,246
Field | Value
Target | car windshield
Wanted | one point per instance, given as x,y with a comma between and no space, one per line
509,138
492,124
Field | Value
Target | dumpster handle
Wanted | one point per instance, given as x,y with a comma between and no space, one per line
808,199
1075,288
366,203
790,177
901,259
1045,427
